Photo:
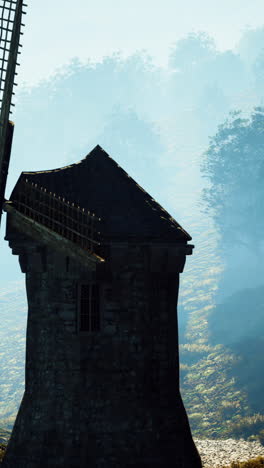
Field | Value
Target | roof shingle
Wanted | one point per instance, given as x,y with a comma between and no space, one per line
99,184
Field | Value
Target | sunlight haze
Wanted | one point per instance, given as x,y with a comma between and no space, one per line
91,30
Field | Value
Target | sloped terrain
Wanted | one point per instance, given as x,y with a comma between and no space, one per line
222,377
13,312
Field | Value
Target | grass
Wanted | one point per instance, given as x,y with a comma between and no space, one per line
2,451
253,463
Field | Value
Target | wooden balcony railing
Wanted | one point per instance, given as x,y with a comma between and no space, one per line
63,217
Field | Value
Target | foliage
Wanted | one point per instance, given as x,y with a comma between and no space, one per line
2,451
254,463
238,324
210,394
192,49
250,427
221,384
4,436
218,405
251,44
234,165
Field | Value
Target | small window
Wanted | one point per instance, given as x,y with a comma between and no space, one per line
89,308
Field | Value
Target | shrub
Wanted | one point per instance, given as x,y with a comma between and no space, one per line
254,463
250,427
2,451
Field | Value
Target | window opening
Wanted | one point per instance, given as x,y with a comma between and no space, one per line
89,313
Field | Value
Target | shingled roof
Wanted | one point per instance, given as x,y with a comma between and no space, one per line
99,184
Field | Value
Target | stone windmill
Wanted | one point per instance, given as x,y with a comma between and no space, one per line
102,366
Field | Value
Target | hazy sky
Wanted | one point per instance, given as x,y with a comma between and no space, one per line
56,31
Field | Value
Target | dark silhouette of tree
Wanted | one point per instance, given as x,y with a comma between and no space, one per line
234,165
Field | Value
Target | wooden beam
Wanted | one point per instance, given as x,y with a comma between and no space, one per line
7,75
5,163
46,236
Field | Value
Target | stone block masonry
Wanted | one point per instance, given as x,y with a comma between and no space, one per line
104,399
102,364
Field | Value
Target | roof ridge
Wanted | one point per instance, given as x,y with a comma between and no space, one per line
141,195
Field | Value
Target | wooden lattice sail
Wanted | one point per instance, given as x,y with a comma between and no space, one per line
11,12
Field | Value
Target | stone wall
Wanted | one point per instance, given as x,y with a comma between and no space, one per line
108,399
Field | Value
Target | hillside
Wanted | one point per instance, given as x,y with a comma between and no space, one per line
238,324
12,351
4,436
222,370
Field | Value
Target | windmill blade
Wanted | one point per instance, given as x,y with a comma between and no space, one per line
11,12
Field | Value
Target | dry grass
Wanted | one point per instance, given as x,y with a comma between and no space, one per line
2,451
254,463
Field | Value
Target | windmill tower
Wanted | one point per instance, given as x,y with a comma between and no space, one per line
102,261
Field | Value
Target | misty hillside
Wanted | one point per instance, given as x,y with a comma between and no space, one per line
238,324
237,320
13,309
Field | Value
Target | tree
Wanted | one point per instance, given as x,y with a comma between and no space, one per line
191,50
258,70
251,44
234,165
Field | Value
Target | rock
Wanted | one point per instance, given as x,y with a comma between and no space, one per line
216,453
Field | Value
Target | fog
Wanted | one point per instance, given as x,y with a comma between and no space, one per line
141,114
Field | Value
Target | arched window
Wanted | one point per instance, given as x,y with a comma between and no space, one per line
89,308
